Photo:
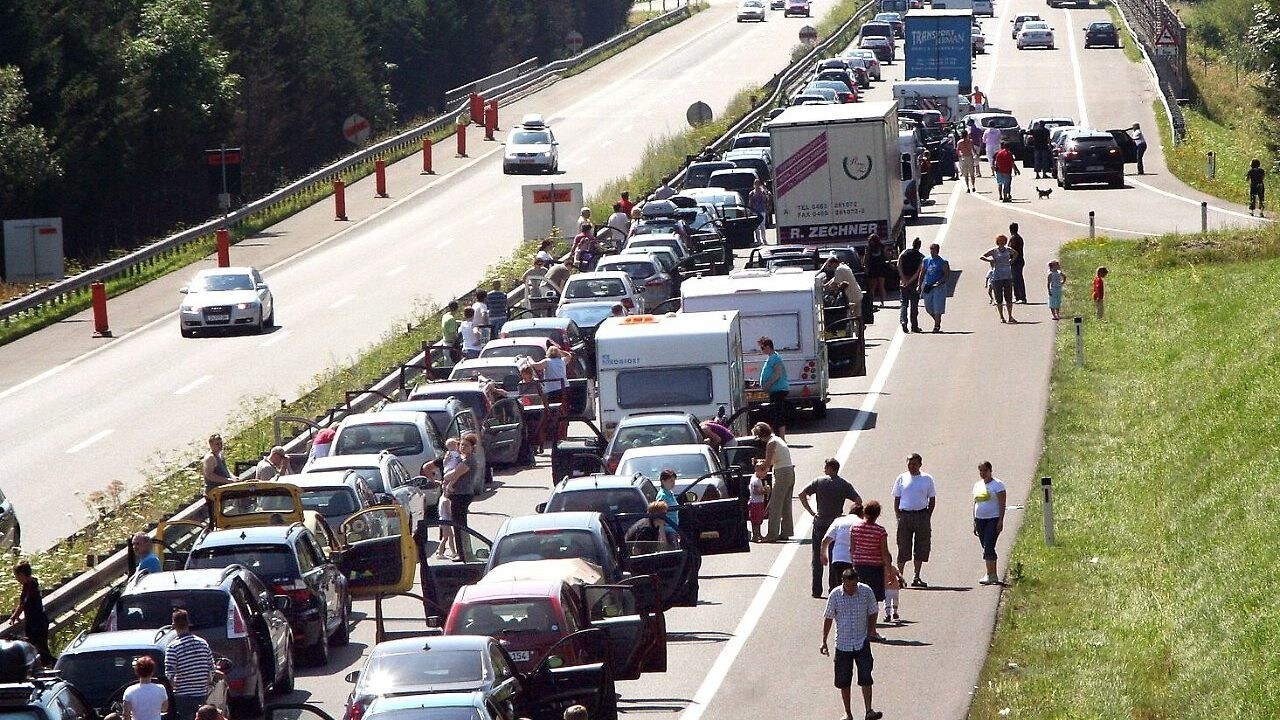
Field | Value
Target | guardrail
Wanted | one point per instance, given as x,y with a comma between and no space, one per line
61,291
79,597
483,84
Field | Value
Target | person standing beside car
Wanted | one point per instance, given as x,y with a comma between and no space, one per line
758,200
1140,143
1040,149
1018,264
214,465
830,492
188,664
777,460
145,554
146,700
30,609
774,381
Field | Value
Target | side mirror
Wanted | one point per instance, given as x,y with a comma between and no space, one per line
689,496
540,508
434,621
482,553
182,290
283,603
352,677
262,286
555,661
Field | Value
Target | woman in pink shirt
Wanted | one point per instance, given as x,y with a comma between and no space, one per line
869,546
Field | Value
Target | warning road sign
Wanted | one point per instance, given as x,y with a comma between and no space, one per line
1165,37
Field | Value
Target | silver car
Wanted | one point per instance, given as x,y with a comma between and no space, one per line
531,147
645,271
225,298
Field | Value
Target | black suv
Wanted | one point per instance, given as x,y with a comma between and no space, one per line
1090,157
230,608
29,695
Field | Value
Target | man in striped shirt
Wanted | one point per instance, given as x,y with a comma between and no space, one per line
188,664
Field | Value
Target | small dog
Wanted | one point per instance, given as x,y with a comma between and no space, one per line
1044,193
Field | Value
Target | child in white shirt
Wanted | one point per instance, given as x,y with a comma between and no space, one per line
445,507
991,291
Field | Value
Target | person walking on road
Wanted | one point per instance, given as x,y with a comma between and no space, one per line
1140,143
877,265
1001,258
991,140
988,518
1054,282
869,550
933,285
1040,135
30,609
978,99
1257,185
1099,290
1005,166
831,491
774,381
214,465
853,609
968,163
975,134
1018,264
836,552
188,664
777,460
914,498
910,266
145,700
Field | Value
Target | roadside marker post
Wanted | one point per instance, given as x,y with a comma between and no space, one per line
426,157
462,137
1046,485
339,200
380,177
1091,228
476,109
1079,341
1211,165
1204,217
224,247
100,327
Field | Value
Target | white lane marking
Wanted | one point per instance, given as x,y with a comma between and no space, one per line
396,270
1192,201
1015,208
341,301
193,385
1081,106
88,441
444,243
276,337
764,595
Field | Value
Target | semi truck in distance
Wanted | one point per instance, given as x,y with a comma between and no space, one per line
939,44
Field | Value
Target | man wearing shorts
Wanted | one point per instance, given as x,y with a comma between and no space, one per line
853,608
914,497
933,285
1001,259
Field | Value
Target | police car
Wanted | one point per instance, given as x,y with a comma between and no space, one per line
531,147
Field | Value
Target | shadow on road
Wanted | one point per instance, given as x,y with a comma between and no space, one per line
731,576
705,637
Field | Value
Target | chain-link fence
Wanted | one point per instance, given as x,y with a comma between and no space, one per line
1164,36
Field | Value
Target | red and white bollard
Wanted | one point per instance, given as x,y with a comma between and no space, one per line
462,138
224,247
476,109
426,157
339,200
490,120
493,108
380,177
100,327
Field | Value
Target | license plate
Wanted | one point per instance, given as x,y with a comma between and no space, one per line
526,161
757,396
1094,168
521,655
218,318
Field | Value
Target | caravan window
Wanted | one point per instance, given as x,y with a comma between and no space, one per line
783,329
669,387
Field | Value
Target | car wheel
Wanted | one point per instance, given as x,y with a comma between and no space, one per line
271,319
1118,181
286,683
342,636
318,654
819,410
1066,182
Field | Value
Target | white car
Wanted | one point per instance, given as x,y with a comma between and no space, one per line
1019,20
869,61
1035,33
382,472
751,10
979,40
224,298
409,436
531,147
645,271
612,285
690,462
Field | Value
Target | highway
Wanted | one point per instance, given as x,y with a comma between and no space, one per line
750,649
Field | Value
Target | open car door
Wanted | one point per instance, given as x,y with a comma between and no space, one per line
846,348
174,540
1128,147
253,504
739,224
504,431
552,687
378,553
674,563
635,637
717,527
443,577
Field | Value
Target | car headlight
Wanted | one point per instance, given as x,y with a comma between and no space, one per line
246,306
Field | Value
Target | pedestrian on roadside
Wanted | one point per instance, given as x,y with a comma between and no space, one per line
1005,166
449,328
933,285
830,492
471,336
273,465
145,700
585,248
910,267
619,222
975,134
758,201
1140,143
853,608
559,274
1018,264
481,316
322,443
892,584
836,552
664,191
774,381
777,460
624,200
544,253
496,302
876,261
1039,136
144,553
1000,258
988,518
213,465
926,177
1257,185
667,494
965,154
1054,282
914,498
30,609
869,550
757,496
1099,290
991,139
188,665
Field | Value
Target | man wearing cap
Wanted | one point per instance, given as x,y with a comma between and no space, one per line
842,278
275,464
853,608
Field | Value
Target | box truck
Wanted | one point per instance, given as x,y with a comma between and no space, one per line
929,94
939,44
836,176
688,362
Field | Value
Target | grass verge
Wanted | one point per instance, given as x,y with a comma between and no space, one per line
1157,600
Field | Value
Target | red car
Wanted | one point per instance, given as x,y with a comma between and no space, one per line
797,7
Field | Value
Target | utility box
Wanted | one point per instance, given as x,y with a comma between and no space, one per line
33,250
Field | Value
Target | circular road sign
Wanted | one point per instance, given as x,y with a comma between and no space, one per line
698,113
356,129
573,41
809,35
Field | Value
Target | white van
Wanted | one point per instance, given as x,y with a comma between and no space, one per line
784,305
690,362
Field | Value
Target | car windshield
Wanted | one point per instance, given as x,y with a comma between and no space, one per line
603,500
1102,26
745,141
221,283
552,544
460,712
330,502
394,671
594,288
372,438
586,316
533,352
517,617
268,562
637,436
495,373
154,610
689,466
635,270
1035,25
1003,122
99,674
529,137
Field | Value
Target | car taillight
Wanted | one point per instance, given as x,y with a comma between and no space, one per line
355,711
1113,151
1070,154
297,591
235,622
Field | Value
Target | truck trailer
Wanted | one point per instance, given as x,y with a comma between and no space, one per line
939,44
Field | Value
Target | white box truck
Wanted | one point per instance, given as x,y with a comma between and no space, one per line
786,306
686,362
836,174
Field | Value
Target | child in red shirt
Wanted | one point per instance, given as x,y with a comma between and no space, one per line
1098,290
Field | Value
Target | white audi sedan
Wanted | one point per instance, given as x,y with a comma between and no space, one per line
224,299
1035,33
751,10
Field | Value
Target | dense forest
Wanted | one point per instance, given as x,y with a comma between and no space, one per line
106,106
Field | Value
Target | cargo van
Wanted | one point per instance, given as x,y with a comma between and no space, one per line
691,362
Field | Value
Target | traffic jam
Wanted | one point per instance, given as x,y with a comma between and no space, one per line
637,364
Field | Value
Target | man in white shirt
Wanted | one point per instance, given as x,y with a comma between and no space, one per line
619,221
852,608
836,553
664,191
991,139
481,308
914,497
842,277
470,334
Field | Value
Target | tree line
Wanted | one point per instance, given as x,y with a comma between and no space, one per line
106,106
